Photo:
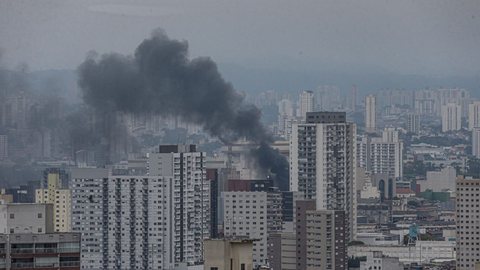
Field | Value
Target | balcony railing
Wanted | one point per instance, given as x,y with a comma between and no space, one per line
21,250
69,264
22,265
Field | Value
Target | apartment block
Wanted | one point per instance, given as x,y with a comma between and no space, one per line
59,251
61,200
323,162
467,219
381,155
27,218
153,221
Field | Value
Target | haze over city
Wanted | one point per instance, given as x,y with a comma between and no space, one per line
239,135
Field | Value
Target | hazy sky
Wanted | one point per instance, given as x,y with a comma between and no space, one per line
406,37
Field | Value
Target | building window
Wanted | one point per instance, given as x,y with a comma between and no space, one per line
213,268
242,266
12,216
39,215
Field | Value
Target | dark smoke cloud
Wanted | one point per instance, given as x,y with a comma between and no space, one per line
161,78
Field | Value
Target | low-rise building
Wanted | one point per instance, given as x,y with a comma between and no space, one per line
228,254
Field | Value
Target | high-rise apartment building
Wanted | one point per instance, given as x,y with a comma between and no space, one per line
381,155
430,101
323,162
61,200
413,123
306,103
451,117
252,215
476,142
3,147
474,115
467,217
153,221
370,113
321,238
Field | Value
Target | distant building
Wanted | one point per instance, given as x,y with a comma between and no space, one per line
451,117
438,181
376,260
474,115
370,113
381,154
46,251
3,147
306,103
413,123
467,218
323,162
228,254
27,218
430,101
61,200
476,142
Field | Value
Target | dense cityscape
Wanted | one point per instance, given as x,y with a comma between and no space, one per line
153,159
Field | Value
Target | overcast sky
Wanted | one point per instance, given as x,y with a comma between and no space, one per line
405,36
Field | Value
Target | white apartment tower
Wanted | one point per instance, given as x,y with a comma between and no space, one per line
467,217
323,162
381,155
153,221
370,113
413,123
306,103
476,142
474,115
451,117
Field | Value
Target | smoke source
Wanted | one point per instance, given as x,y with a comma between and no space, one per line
161,78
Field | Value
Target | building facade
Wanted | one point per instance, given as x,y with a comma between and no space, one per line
413,123
153,221
61,200
467,220
370,113
306,103
323,162
476,142
3,147
252,215
474,115
55,251
381,155
451,117
26,218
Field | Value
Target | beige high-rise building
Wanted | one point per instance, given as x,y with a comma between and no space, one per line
467,218
61,200
370,113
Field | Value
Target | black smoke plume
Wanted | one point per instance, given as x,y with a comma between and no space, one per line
161,78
